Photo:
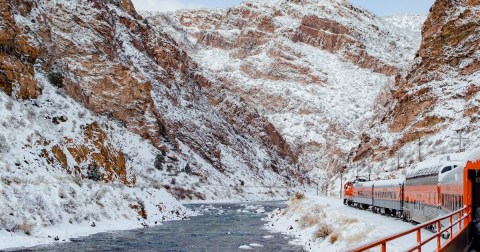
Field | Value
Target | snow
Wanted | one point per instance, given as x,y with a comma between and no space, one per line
41,199
324,224
473,155
385,182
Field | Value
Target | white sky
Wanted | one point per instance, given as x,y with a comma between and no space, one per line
379,7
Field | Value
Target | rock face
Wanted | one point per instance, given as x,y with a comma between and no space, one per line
95,152
104,55
313,68
16,57
438,97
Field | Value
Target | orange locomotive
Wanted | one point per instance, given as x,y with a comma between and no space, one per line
430,190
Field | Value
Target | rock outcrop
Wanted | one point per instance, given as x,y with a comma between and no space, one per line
438,97
17,57
313,68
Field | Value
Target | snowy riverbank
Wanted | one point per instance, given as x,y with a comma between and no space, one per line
103,213
324,224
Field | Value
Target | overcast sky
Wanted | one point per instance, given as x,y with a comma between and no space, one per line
379,7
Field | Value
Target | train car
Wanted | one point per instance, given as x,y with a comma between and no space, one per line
362,194
388,196
423,190
451,186
430,190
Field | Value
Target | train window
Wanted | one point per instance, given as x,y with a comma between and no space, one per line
446,169
451,201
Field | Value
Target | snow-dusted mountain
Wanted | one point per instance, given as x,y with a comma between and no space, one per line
313,68
104,118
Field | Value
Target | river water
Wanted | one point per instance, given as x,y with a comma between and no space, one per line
221,227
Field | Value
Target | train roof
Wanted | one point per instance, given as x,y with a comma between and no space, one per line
473,155
385,182
432,167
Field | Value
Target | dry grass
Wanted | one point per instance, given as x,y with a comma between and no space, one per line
348,221
298,196
334,237
309,220
26,228
355,238
323,231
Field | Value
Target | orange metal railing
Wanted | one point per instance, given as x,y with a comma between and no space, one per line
462,221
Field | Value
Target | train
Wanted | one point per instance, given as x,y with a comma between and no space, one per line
429,190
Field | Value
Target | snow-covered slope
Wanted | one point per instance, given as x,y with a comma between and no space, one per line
313,68
104,118
37,192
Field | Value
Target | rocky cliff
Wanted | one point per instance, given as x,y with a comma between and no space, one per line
313,68
97,101
435,102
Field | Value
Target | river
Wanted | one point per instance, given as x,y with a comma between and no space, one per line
221,227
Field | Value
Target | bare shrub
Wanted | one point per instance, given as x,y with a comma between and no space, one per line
61,193
31,115
298,196
26,228
159,161
309,220
323,231
334,237
4,146
56,78
78,180
9,105
81,114
70,206
157,185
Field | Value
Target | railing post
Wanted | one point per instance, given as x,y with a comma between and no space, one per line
419,239
468,218
459,215
384,247
451,226
439,229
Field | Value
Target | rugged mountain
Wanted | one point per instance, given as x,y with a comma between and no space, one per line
98,102
437,98
313,68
